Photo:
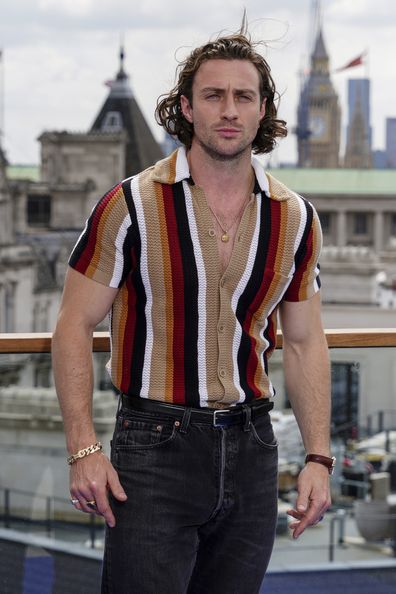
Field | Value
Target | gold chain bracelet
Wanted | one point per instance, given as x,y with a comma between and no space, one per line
95,447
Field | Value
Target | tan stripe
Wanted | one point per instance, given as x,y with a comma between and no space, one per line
172,168
167,313
109,224
235,271
120,311
151,198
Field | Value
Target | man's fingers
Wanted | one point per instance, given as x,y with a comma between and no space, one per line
115,486
92,494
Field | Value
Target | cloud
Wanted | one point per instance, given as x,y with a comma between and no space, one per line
58,53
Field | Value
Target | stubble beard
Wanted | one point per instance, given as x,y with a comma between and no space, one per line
217,155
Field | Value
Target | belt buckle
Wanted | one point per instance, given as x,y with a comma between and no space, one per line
219,410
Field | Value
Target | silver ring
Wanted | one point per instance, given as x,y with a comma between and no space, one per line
74,501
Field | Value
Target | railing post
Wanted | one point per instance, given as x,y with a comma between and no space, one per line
332,544
380,421
7,517
48,520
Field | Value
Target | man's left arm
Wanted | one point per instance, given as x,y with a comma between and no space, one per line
307,379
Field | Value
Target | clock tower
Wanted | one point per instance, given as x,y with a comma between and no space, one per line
319,118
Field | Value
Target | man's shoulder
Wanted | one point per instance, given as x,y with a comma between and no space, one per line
163,171
278,191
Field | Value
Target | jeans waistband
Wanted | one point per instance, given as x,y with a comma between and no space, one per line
241,414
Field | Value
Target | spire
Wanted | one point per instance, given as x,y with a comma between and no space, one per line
320,57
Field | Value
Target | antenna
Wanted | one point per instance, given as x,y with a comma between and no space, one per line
314,24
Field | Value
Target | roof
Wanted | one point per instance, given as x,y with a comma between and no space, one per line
374,182
23,172
121,111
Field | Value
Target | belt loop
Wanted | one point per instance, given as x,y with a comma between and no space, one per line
248,417
185,420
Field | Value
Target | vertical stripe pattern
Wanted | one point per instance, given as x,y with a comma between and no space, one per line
181,330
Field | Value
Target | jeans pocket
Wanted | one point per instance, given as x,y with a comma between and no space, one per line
136,431
263,433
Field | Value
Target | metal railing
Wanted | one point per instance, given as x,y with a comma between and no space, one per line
41,343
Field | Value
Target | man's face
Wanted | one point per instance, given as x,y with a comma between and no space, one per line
226,108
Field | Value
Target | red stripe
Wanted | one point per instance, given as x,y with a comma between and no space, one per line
89,250
129,331
266,283
178,296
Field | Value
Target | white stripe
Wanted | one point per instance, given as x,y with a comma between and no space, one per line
147,287
301,228
182,170
237,294
260,175
119,252
202,385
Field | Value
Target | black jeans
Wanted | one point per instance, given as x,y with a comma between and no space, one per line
201,511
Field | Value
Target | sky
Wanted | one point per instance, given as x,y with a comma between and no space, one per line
57,55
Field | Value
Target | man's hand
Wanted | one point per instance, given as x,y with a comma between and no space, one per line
90,480
313,498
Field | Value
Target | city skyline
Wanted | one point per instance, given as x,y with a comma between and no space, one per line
56,57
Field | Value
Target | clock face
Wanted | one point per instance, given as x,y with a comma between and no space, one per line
317,126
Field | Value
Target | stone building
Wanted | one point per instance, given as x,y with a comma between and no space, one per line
40,219
357,209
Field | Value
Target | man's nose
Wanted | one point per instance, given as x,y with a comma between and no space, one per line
230,111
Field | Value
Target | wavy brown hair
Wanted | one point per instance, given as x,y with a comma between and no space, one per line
230,47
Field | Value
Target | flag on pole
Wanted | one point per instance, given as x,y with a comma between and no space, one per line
358,61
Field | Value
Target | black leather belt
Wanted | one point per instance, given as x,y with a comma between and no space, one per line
236,415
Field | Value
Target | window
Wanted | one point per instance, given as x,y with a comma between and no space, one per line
112,122
360,223
9,302
325,221
393,225
345,397
39,210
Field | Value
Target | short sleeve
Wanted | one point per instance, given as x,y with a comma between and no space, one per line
306,281
101,252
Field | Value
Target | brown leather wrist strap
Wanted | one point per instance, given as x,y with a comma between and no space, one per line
324,460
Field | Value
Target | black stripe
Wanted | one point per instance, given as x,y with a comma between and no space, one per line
135,278
302,248
190,276
250,292
83,241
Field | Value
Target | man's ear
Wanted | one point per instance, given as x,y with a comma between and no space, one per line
186,108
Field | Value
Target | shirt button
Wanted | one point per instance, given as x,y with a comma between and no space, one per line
222,372
221,327
212,232
222,282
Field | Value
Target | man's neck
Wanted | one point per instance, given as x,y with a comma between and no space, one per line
228,176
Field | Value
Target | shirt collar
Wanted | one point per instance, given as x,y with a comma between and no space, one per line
174,169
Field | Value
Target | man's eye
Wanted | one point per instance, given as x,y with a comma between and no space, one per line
212,96
245,98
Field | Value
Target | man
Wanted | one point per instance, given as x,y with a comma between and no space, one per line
195,257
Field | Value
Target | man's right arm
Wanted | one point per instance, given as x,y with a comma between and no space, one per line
84,304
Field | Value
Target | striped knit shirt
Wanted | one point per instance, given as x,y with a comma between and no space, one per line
182,330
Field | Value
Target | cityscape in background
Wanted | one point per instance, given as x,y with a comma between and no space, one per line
43,209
